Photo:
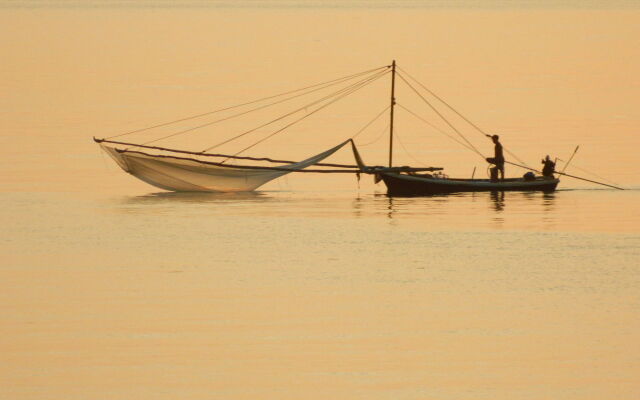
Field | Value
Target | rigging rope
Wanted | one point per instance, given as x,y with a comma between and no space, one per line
395,133
353,89
371,122
329,83
434,127
442,116
458,113
382,132
251,110
375,76
443,102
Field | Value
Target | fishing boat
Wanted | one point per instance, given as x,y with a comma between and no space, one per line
414,183
410,183
177,169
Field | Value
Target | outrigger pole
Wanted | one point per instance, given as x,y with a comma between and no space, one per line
393,103
570,176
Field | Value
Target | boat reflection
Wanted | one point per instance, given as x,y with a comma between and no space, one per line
481,209
548,201
497,198
467,206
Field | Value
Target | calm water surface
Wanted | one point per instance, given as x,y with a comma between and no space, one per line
317,286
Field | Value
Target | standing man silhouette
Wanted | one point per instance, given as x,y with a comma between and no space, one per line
497,159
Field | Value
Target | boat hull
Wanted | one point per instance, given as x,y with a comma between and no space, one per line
420,185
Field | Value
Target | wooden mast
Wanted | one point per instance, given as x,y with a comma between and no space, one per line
393,103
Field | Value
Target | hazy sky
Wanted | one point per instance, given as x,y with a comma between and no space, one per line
485,4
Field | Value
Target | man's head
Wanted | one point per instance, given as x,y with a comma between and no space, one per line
495,138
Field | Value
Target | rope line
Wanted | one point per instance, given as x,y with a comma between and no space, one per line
434,127
380,135
443,102
294,111
407,151
249,102
442,117
245,112
353,89
458,113
371,122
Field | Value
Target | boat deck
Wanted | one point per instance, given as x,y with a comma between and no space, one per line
416,185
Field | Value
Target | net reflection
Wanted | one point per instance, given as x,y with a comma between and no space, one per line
196,197
192,203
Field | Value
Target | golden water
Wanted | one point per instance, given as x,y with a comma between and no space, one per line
318,286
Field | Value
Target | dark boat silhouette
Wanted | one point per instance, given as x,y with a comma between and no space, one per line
399,184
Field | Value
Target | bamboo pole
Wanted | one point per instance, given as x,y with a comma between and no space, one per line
570,176
393,103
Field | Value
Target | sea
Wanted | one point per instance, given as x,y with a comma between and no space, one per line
319,286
